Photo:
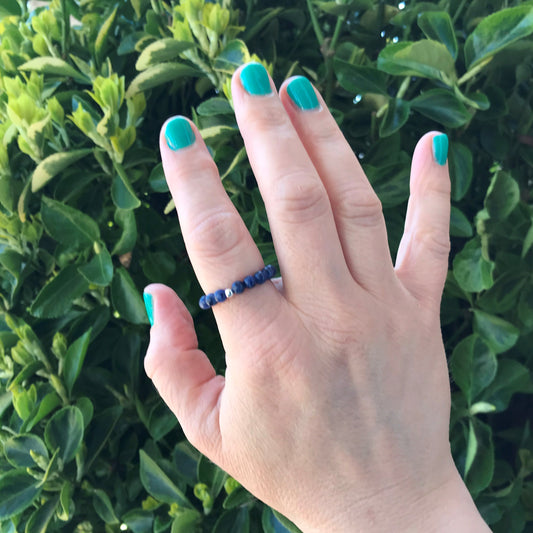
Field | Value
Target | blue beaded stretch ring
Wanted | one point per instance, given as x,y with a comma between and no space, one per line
213,298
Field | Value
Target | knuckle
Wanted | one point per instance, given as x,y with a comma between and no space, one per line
300,197
435,241
199,165
216,234
361,206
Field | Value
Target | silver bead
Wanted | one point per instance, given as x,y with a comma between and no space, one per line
229,293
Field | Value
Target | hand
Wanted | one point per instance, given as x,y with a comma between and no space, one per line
335,405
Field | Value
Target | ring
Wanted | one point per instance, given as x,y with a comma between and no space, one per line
237,287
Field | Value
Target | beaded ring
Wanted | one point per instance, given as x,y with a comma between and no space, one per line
237,287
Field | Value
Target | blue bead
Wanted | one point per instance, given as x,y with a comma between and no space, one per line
210,299
237,287
249,281
259,277
270,270
220,295
203,303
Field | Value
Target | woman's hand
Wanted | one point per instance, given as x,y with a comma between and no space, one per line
335,405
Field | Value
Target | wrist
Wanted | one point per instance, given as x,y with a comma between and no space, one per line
444,509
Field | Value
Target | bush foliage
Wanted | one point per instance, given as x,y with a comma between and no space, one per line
86,222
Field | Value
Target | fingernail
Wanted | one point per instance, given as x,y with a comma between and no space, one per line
149,304
302,93
178,133
255,80
440,148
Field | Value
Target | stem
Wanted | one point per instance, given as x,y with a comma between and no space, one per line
314,21
458,11
66,28
337,32
403,87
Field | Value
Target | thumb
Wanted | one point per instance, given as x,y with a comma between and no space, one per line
422,261
182,374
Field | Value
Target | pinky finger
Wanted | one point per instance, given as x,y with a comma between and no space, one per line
422,261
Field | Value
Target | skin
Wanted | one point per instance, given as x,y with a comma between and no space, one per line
334,408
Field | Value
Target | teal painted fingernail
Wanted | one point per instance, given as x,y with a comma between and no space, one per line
178,133
149,304
440,148
255,80
302,93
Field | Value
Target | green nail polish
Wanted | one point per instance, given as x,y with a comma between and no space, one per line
178,133
440,148
148,302
302,93
255,80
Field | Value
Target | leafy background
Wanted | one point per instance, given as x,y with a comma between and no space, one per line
86,221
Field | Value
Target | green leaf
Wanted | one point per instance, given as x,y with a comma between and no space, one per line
505,292
161,51
103,35
186,521
99,432
437,25
480,457
471,270
461,169
68,225
158,75
103,507
273,522
17,450
525,306
99,270
54,66
74,358
9,8
157,178
234,520
139,521
212,107
395,117
65,431
39,520
426,59
499,334
497,31
127,299
502,196
460,226
158,484
473,366
210,474
45,406
122,192
233,55
443,107
358,78
238,497
56,298
54,164
18,490
512,377
125,218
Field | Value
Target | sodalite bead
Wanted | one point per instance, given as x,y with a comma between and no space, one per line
237,287
259,277
270,271
220,295
249,281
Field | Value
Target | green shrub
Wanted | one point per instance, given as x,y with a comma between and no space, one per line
86,222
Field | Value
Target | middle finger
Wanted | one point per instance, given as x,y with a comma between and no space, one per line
301,220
